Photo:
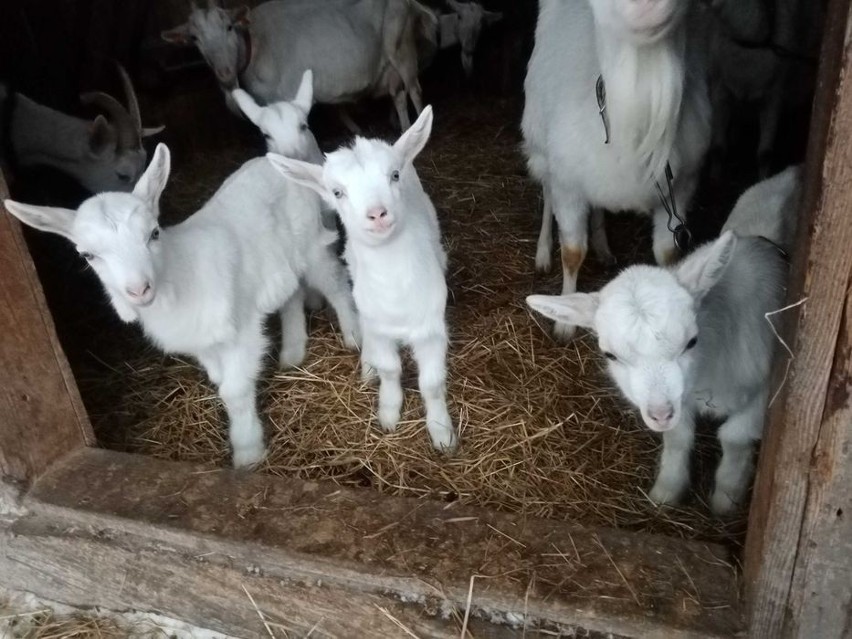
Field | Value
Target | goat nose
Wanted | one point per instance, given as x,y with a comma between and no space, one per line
139,290
377,213
661,414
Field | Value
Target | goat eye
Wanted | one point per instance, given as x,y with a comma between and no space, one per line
230,27
303,126
395,176
337,193
87,256
267,136
123,177
610,356
691,343
155,234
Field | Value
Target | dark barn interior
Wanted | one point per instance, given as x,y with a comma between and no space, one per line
543,431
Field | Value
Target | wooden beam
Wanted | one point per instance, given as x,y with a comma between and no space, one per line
124,531
794,527
41,413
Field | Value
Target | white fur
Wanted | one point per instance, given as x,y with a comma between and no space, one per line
373,52
205,286
397,265
761,75
770,208
87,150
645,320
657,107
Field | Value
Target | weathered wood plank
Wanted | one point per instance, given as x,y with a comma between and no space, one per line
366,545
802,456
41,413
821,601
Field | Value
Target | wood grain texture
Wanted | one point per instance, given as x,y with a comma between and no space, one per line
802,455
361,546
41,413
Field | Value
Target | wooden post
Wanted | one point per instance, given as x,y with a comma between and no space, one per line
41,413
798,560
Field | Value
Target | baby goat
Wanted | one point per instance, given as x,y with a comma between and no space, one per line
397,264
205,286
693,339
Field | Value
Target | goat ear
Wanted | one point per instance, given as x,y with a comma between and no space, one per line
149,131
700,271
410,143
305,95
44,218
302,173
101,136
240,16
490,17
179,35
153,181
247,105
577,309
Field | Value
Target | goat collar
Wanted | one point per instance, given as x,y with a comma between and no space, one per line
247,52
676,224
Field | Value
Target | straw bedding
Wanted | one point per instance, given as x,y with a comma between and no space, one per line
543,432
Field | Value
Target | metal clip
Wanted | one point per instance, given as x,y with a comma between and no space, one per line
600,94
680,231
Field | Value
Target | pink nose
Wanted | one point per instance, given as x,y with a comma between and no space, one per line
377,213
139,290
661,414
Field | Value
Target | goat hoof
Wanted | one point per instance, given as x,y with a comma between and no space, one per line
352,341
564,333
721,504
388,418
543,261
369,375
444,439
247,457
665,494
291,357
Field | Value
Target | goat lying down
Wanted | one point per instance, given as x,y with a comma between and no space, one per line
104,154
397,264
689,340
657,112
204,287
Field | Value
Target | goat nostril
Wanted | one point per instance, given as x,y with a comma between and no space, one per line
383,214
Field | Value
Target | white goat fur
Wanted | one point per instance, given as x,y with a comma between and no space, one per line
646,319
760,75
374,53
657,108
770,208
204,287
397,264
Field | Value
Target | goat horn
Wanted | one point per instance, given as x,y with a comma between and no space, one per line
119,117
132,101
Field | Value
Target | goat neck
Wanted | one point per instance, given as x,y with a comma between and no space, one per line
644,92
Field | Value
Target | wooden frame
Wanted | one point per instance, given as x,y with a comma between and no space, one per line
91,527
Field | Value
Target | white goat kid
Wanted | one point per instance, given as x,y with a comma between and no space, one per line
285,128
657,112
205,286
104,154
397,265
688,340
770,208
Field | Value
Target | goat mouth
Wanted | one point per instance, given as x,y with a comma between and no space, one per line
142,302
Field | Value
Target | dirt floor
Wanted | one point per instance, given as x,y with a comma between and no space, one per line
543,432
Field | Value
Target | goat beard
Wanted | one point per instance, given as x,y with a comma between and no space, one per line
644,93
